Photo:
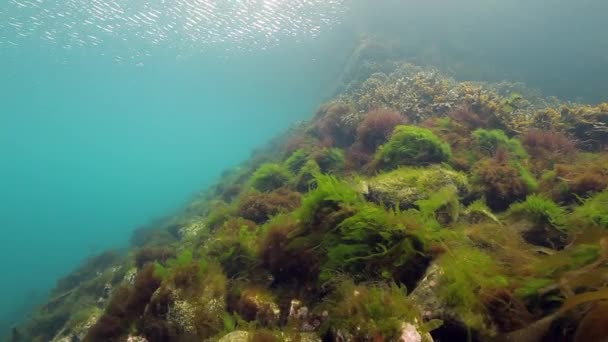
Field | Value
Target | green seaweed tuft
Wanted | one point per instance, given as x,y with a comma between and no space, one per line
377,310
540,210
269,177
411,145
592,213
492,140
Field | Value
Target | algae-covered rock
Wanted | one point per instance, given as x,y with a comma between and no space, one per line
303,319
236,336
246,336
403,187
76,329
589,124
258,305
455,290
433,307
375,312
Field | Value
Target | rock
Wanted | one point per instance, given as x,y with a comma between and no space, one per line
192,229
129,277
77,332
409,333
303,319
245,336
236,336
136,339
182,314
545,235
402,187
258,305
425,296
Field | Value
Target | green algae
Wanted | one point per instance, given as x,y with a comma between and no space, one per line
371,244
466,274
269,177
372,311
296,161
491,140
593,212
540,210
329,191
411,145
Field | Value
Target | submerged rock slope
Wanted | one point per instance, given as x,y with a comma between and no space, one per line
410,208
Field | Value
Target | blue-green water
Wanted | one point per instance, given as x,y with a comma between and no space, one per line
110,118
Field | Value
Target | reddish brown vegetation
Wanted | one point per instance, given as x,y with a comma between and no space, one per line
259,207
578,180
377,128
547,148
333,127
507,312
285,263
500,182
456,130
126,304
252,304
297,141
539,142
467,118
149,254
357,157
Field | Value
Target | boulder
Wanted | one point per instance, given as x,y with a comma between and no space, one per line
403,187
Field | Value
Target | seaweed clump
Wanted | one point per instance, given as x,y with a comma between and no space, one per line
259,207
375,312
269,177
411,145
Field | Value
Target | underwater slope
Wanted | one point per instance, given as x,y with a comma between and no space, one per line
411,207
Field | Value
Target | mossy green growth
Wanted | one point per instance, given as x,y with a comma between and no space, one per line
444,200
584,254
411,145
467,272
371,244
478,211
219,212
183,271
570,259
373,310
491,140
539,210
234,247
330,191
305,178
296,161
509,104
531,287
401,188
330,160
269,177
526,176
592,213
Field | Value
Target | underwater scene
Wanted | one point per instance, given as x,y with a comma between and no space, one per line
304,170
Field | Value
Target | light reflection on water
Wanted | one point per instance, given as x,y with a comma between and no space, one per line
184,25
